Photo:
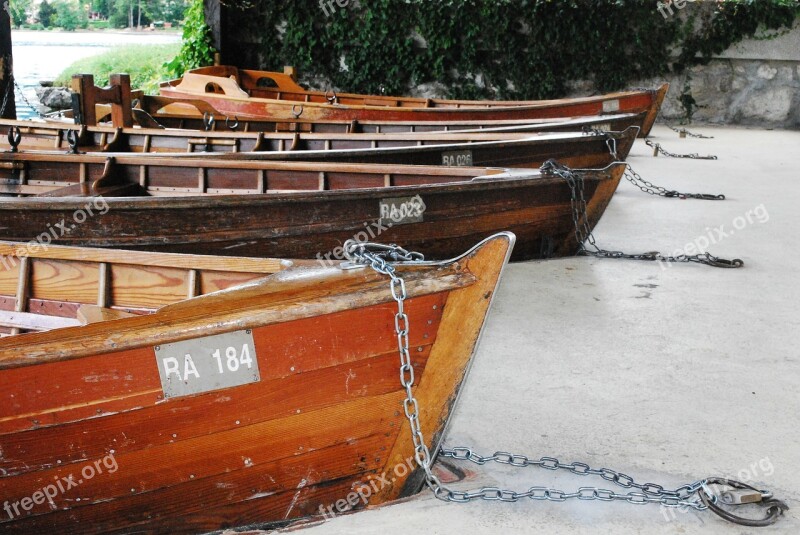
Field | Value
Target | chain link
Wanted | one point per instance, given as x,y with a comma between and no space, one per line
583,233
5,98
637,180
376,256
26,101
693,156
685,132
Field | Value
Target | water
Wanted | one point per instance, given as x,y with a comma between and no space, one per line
45,55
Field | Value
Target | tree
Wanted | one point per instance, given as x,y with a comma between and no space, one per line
47,14
18,9
70,15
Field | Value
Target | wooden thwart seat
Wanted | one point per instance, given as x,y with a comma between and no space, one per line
35,322
95,314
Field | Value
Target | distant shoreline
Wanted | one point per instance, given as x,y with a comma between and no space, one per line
122,31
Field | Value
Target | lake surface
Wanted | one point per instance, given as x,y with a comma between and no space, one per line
45,55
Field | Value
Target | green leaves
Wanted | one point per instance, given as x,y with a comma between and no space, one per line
509,49
197,49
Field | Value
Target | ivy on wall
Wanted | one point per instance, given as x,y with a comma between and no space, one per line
508,49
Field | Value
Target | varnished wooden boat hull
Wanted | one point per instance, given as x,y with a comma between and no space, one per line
581,150
171,118
324,419
314,224
244,99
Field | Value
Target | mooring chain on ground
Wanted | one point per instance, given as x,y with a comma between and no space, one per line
583,233
684,132
645,185
658,149
698,495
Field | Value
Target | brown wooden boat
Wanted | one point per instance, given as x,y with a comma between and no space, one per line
262,94
286,209
97,105
125,424
583,150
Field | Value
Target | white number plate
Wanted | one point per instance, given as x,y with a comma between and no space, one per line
402,210
610,105
457,158
208,363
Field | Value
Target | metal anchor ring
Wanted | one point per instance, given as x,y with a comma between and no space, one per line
208,121
774,508
72,139
235,122
297,110
14,138
332,98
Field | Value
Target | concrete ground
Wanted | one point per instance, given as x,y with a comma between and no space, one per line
666,374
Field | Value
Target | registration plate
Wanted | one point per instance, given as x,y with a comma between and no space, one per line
402,210
208,363
457,158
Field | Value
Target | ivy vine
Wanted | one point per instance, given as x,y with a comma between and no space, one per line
197,49
508,49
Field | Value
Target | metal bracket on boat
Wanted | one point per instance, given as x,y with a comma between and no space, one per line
235,124
360,252
297,110
208,121
740,494
73,139
14,138
331,97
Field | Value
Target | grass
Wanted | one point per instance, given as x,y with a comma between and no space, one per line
144,63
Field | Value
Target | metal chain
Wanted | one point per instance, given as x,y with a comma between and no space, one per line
660,150
26,101
684,132
376,256
583,233
646,186
5,98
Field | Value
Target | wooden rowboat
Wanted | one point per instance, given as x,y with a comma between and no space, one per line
96,105
286,209
127,425
583,150
260,94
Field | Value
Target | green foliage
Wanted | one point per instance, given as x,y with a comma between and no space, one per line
99,24
70,15
18,9
197,49
47,14
509,49
144,63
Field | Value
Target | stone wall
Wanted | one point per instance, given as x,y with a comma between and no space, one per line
756,82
